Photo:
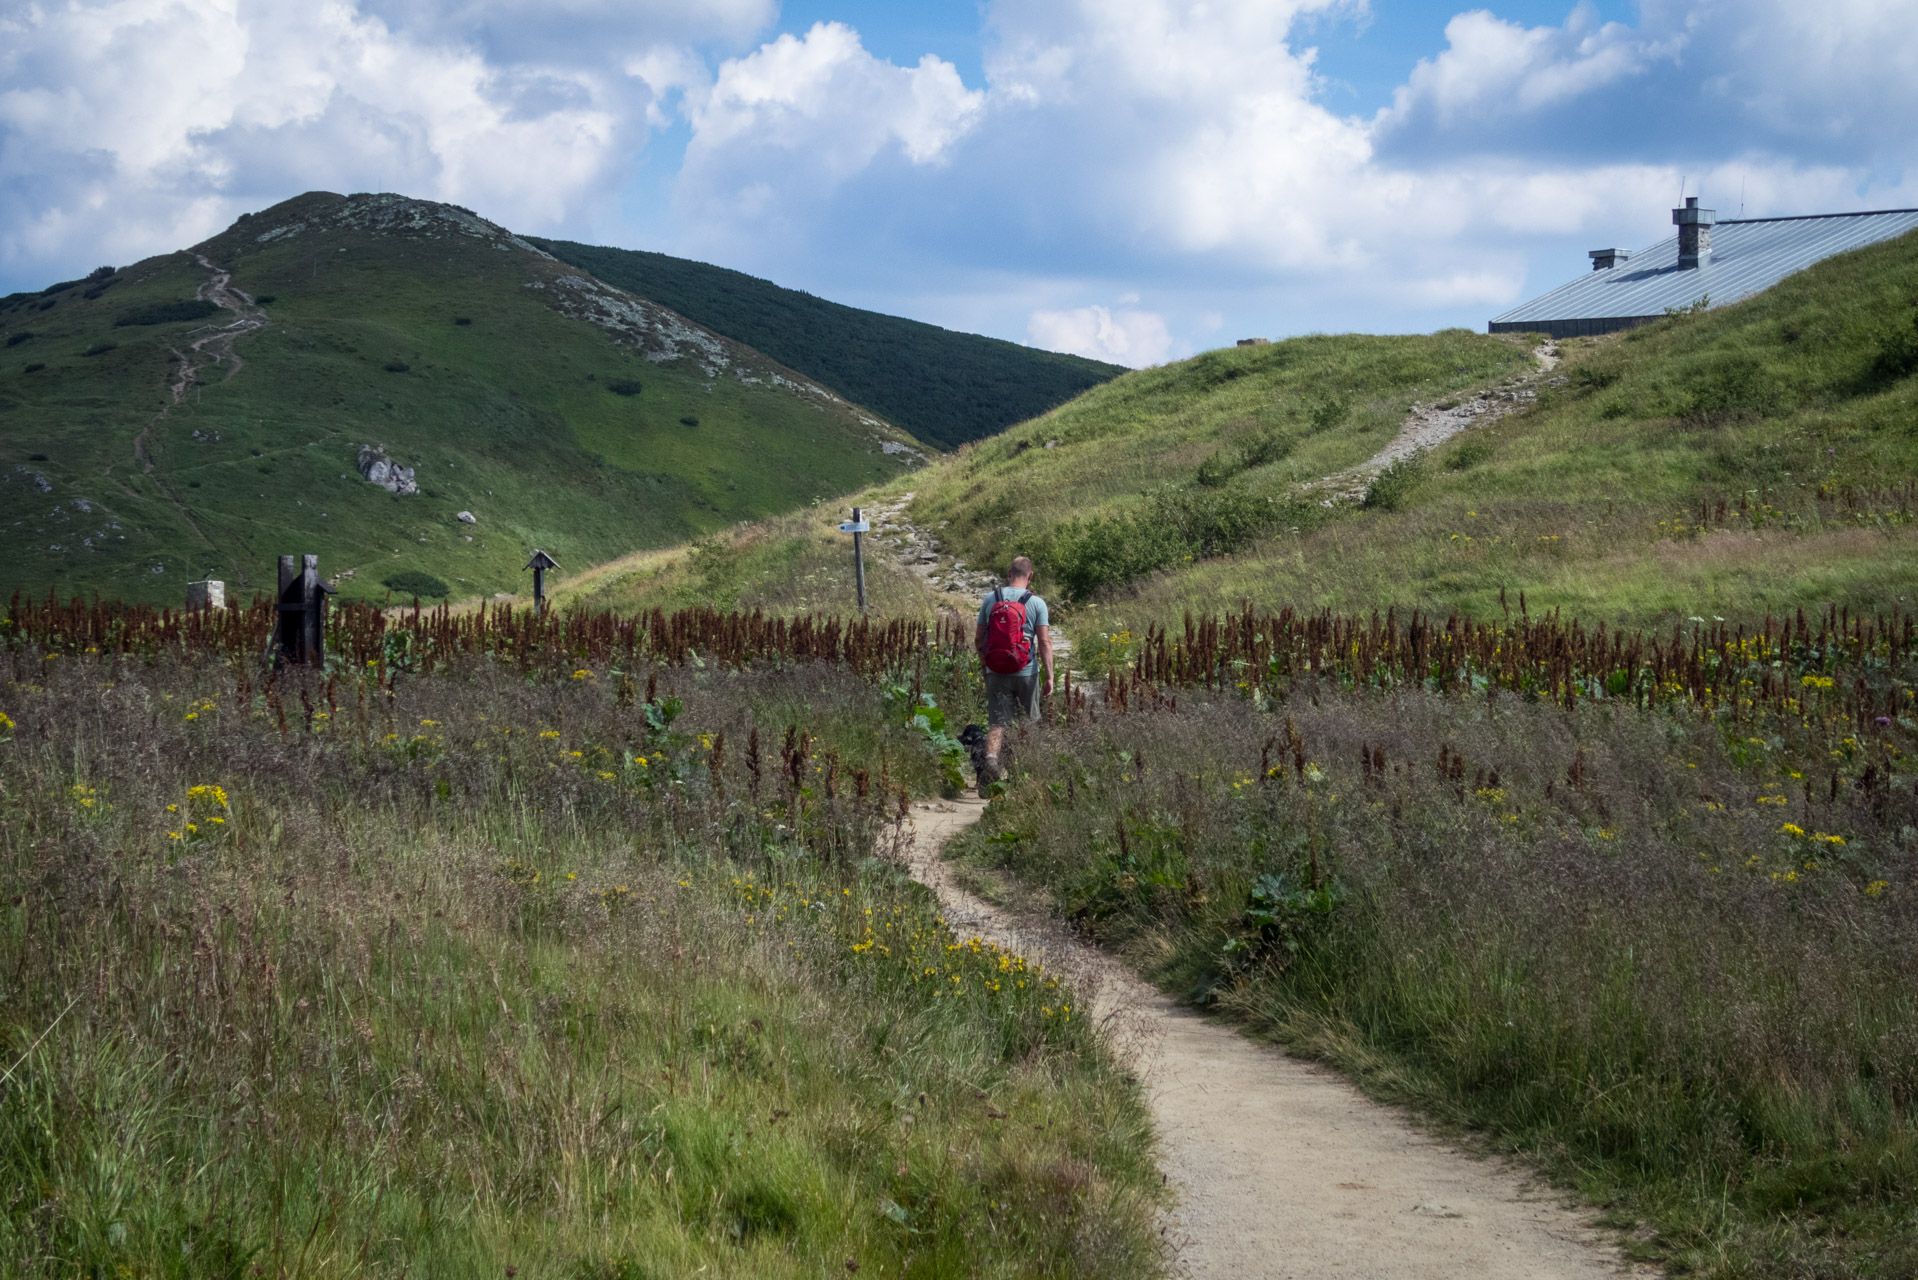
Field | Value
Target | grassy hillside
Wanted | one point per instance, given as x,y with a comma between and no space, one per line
942,386
795,563
1750,458
556,410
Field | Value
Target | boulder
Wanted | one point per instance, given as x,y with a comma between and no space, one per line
381,470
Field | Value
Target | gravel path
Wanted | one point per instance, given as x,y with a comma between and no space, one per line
1428,426
1282,1167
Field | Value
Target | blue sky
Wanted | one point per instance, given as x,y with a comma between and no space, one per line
1132,179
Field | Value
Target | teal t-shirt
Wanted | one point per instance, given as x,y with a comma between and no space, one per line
1036,617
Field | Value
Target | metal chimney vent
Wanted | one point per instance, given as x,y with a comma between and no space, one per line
1606,259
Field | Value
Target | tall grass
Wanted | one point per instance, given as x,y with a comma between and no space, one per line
494,972
1674,963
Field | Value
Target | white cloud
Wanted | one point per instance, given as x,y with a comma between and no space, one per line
1132,338
130,127
782,126
1491,67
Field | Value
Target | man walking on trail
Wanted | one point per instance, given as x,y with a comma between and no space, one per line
1013,637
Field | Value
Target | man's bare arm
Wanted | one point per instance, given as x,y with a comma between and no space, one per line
1045,654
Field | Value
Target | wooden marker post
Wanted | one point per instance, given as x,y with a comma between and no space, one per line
299,631
539,564
857,527
286,622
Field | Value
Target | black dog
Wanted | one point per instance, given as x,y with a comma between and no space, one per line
973,738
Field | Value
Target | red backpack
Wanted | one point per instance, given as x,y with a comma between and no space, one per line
1007,648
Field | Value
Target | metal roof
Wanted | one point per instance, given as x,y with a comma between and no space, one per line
1747,255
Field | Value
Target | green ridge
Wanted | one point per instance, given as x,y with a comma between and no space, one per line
1183,487
402,323
942,386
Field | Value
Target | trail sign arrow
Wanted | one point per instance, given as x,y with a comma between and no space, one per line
856,526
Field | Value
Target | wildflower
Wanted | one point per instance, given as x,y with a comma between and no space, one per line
1876,887
549,733
430,724
582,674
1792,829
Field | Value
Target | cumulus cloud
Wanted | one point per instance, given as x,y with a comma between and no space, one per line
783,126
1132,338
1694,78
135,126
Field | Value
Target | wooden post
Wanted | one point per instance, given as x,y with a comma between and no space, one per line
286,622
859,557
539,564
313,594
299,627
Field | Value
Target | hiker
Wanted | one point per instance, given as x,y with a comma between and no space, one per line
1013,636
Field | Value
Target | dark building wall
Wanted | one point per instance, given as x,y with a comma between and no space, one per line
1583,328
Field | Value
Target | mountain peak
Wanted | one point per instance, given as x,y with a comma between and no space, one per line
377,213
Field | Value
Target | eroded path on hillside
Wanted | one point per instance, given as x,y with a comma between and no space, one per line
1283,1170
1428,426
213,344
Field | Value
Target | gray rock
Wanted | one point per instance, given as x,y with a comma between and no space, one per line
467,517
389,475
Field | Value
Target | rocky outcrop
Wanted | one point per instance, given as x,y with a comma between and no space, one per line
377,468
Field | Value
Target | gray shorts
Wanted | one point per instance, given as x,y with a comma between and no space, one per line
1010,697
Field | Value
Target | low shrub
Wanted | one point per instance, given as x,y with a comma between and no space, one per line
624,387
397,366
1219,467
168,313
15,339
1468,455
416,582
1264,448
35,367
1389,491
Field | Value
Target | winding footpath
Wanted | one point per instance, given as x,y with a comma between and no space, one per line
1282,1169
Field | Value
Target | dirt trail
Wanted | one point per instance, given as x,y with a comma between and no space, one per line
958,586
1428,426
1283,1168
215,345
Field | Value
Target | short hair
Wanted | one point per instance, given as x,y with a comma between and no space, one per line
1021,567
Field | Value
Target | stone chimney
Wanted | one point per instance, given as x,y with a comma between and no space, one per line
1606,259
1694,233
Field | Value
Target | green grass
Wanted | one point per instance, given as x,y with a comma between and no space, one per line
942,386
440,982
1303,408
439,345
791,564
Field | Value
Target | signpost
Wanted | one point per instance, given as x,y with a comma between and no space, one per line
539,564
858,527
